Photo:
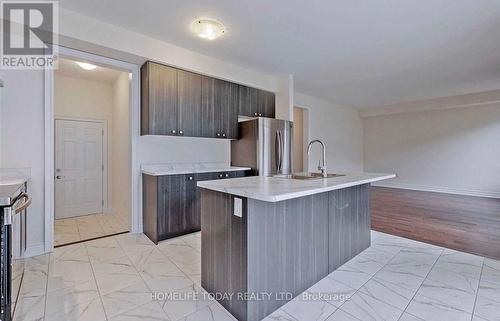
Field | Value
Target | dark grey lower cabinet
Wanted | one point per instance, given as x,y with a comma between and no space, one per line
169,206
171,203
279,248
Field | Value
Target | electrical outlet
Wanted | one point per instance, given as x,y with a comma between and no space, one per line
238,207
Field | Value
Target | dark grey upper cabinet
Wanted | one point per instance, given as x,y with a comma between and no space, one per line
230,116
255,102
226,109
171,101
219,101
190,116
248,101
159,110
207,107
268,105
181,103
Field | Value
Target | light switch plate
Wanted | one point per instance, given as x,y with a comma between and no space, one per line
238,207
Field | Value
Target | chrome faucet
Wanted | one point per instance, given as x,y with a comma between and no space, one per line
322,168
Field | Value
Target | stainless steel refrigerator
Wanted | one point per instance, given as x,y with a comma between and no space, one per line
265,145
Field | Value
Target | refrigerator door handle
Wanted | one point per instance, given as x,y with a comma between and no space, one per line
276,151
279,153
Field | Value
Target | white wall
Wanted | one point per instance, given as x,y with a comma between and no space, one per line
452,150
120,147
1,112
82,98
77,26
22,141
299,139
339,128
87,99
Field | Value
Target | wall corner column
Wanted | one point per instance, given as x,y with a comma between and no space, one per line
284,98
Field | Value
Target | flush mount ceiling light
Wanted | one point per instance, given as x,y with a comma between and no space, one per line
206,28
86,65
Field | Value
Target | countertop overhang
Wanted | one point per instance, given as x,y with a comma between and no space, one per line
275,189
178,169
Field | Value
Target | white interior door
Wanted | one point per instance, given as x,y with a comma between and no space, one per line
78,168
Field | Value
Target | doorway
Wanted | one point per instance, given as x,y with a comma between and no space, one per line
92,162
80,170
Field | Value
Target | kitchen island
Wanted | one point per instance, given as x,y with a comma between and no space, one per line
267,239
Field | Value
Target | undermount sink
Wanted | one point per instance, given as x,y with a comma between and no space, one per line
305,176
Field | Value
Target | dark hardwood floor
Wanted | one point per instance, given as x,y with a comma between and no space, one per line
466,223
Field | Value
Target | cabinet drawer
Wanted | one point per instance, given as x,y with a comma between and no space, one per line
238,174
206,176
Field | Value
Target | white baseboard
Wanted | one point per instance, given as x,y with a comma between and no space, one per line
35,250
447,190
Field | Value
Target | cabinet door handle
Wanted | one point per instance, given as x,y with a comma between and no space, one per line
227,175
218,134
173,131
190,178
23,206
256,114
220,175
181,132
223,134
260,114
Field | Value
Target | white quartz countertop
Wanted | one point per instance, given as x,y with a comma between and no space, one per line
275,189
176,169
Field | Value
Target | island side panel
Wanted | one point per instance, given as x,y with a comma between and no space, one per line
224,249
287,249
350,224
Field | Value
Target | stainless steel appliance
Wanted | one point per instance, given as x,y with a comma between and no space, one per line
265,145
13,203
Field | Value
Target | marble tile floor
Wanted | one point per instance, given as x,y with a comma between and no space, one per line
86,227
395,279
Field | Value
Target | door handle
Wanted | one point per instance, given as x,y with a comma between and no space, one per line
25,204
58,177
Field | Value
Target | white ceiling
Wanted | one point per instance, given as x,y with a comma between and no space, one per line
356,53
67,67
